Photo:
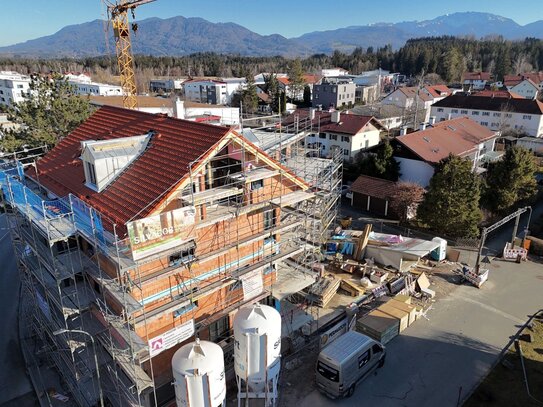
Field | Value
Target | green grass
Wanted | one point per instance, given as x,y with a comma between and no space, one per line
504,386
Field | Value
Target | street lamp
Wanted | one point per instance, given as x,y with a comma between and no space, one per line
61,331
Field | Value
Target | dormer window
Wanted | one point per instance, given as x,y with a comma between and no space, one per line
104,160
92,173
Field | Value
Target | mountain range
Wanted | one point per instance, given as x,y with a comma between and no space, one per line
184,36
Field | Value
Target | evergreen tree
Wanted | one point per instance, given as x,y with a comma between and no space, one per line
307,95
510,180
50,111
381,165
451,204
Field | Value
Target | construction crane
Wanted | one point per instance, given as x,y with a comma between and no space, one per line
118,15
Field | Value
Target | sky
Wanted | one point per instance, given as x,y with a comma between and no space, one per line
290,18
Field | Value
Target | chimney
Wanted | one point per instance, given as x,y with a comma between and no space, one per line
432,120
179,108
336,116
403,131
422,126
449,116
312,113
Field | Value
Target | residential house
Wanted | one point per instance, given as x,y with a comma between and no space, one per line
420,151
13,87
334,92
95,88
366,94
337,130
476,80
166,85
509,81
495,113
212,91
372,194
153,231
527,89
391,117
414,98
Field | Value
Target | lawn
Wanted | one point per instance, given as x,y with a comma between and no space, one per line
505,386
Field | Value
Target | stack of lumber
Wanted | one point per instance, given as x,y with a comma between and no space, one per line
352,289
409,309
378,325
401,315
324,290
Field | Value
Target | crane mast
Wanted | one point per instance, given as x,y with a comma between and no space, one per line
118,15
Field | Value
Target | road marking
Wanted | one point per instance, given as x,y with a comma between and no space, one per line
490,308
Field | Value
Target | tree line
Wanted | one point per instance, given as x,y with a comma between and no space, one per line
446,56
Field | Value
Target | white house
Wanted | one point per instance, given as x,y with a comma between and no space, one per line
408,97
78,77
334,72
476,80
494,113
420,151
13,87
527,89
95,88
531,143
166,85
213,91
349,132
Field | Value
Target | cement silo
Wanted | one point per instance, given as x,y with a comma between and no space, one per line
257,352
198,371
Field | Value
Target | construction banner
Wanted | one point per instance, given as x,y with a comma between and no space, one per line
160,232
253,284
171,338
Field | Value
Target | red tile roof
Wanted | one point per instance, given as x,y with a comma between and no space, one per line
459,136
476,76
438,90
512,80
349,124
374,187
411,93
283,80
174,145
312,79
498,94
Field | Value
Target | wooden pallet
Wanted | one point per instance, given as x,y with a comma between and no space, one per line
351,288
324,290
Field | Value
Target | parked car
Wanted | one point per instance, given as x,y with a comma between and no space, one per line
346,361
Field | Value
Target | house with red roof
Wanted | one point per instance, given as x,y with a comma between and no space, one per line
336,130
420,151
411,97
177,224
475,80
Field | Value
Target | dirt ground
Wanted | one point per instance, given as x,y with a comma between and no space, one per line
505,386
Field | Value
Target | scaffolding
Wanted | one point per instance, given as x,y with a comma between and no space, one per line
254,216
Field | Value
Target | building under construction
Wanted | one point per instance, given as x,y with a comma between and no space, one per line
138,232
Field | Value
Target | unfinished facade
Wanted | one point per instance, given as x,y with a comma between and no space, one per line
145,231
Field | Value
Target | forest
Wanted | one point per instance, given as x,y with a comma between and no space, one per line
445,56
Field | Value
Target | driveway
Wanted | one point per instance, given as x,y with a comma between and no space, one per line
436,362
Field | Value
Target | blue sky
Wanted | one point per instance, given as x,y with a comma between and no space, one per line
291,18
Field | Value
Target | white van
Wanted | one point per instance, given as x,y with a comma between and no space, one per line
346,361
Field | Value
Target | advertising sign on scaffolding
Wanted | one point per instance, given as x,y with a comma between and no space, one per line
160,232
252,284
171,338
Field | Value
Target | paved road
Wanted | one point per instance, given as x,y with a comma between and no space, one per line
435,359
15,387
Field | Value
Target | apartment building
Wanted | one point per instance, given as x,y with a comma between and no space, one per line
144,231
13,87
495,113
334,92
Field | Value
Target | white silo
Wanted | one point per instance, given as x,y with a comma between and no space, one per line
198,372
257,352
